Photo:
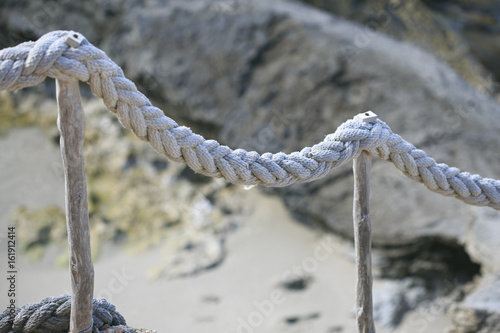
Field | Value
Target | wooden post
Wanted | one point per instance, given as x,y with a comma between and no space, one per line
71,124
363,237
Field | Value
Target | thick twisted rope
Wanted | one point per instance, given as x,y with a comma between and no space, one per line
52,315
29,63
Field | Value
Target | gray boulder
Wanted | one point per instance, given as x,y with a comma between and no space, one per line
478,313
280,76
462,33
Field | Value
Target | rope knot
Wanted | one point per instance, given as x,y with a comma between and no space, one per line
52,314
378,136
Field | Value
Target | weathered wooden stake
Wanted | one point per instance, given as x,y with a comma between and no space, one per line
71,124
363,237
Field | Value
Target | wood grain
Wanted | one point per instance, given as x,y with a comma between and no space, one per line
363,243
71,124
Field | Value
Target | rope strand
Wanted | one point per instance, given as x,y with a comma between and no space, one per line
30,63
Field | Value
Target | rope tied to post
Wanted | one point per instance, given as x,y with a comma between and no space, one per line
29,63
52,314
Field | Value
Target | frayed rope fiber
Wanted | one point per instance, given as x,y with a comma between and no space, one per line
30,63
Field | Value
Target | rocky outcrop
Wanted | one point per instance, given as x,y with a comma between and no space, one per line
463,34
136,199
478,313
280,75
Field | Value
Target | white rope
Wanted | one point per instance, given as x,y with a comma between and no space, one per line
30,63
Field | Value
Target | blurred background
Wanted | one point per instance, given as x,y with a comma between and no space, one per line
178,252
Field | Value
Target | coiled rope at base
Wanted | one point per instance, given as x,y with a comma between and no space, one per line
30,63
52,315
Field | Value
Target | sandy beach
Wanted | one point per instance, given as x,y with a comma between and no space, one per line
247,293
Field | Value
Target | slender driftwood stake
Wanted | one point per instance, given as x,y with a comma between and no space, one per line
71,124
363,236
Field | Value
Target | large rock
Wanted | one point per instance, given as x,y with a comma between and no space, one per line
478,313
281,75
463,34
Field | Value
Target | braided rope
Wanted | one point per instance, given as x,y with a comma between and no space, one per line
52,315
29,63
